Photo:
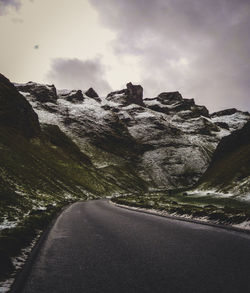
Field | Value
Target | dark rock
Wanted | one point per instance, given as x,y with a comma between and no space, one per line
158,108
73,96
91,93
173,103
43,93
224,112
168,98
201,111
15,110
222,125
228,112
106,107
135,94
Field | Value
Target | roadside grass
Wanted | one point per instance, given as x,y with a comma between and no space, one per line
13,240
219,210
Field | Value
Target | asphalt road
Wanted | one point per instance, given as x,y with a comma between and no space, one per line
97,247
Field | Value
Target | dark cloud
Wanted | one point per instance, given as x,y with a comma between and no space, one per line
5,5
78,74
199,47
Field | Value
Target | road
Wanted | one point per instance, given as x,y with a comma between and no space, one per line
95,246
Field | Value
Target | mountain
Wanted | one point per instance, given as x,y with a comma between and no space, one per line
167,140
41,166
42,169
229,171
58,146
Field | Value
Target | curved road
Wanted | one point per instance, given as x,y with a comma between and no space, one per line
97,247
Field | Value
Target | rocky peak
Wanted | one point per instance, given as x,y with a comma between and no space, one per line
91,93
173,103
135,94
43,93
74,96
15,110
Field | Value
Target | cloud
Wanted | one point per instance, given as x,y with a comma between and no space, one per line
78,74
198,47
6,5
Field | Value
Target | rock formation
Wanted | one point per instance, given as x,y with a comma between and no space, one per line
91,93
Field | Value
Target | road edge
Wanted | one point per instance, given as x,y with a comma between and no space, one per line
22,275
179,218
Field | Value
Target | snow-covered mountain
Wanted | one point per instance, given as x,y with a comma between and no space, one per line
59,146
167,140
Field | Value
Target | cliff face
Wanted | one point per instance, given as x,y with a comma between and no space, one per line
167,140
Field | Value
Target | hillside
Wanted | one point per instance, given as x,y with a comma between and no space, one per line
229,171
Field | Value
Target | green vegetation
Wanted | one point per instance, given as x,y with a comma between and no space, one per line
38,176
229,171
216,209
14,239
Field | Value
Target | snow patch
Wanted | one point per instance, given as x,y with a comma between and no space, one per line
18,263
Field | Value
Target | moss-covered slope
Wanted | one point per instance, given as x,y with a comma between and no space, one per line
39,176
48,169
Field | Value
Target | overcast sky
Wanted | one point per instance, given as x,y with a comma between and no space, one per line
199,47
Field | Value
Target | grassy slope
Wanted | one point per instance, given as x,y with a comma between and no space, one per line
229,170
39,176
219,210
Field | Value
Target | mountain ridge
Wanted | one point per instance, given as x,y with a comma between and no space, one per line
171,139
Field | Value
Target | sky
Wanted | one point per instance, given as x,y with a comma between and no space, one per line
200,48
